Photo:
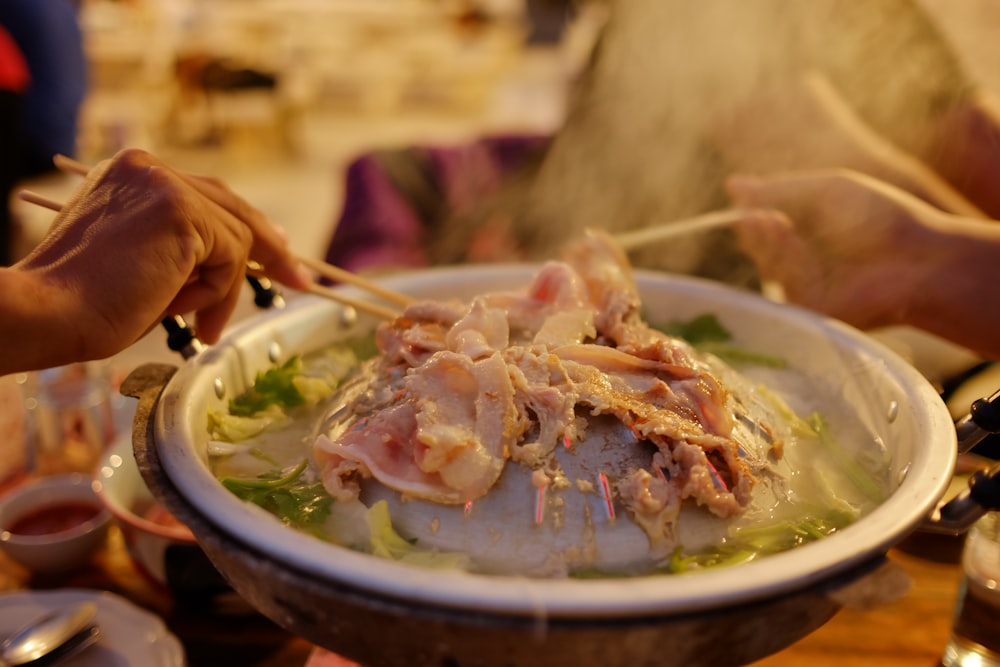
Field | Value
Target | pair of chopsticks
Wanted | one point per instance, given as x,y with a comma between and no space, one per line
71,166
626,240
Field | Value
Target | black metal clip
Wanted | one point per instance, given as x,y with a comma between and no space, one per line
181,337
265,295
983,420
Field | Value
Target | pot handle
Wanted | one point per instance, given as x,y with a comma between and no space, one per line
983,420
983,493
958,514
146,383
180,336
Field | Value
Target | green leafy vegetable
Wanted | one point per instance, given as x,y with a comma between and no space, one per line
313,390
275,386
707,334
235,428
799,426
752,542
735,355
363,347
860,477
298,503
387,543
258,454
816,427
702,329
717,557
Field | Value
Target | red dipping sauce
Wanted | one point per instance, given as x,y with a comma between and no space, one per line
54,518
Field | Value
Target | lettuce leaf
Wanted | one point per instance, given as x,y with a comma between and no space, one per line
236,428
752,542
387,543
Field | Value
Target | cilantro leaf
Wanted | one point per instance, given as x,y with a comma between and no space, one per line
275,386
707,334
297,503
702,329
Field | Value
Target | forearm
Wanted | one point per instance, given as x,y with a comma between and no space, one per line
956,295
37,328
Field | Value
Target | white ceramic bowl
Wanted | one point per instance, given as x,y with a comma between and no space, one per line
65,501
148,529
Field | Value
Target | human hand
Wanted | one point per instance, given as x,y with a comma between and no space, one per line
140,241
839,242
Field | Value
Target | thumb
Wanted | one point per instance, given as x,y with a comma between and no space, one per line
743,189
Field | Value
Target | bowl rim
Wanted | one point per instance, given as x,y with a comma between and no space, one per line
926,479
60,481
123,514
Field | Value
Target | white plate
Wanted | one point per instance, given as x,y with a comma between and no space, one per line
130,636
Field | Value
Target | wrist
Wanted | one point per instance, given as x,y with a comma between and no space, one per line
36,323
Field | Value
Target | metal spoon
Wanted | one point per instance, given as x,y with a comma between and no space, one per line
71,647
49,633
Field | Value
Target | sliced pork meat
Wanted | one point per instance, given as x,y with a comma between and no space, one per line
460,390
606,272
672,416
655,505
557,289
545,400
419,331
465,434
480,332
448,450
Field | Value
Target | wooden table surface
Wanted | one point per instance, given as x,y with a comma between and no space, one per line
910,631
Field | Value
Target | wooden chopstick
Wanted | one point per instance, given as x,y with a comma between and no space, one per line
68,165
341,275
662,232
319,290
40,200
358,304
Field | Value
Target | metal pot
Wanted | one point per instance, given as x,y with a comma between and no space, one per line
384,613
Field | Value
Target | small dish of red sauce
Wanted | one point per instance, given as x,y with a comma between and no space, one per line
54,518
52,524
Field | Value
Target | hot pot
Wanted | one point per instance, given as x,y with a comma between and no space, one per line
380,612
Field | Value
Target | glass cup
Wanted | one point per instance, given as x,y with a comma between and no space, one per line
14,461
69,418
975,634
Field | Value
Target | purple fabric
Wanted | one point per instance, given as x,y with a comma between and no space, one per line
379,226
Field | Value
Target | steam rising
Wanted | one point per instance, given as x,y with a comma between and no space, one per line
682,92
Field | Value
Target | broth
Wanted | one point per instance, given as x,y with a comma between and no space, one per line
819,493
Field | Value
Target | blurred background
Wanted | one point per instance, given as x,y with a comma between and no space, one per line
278,96
388,133
281,97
